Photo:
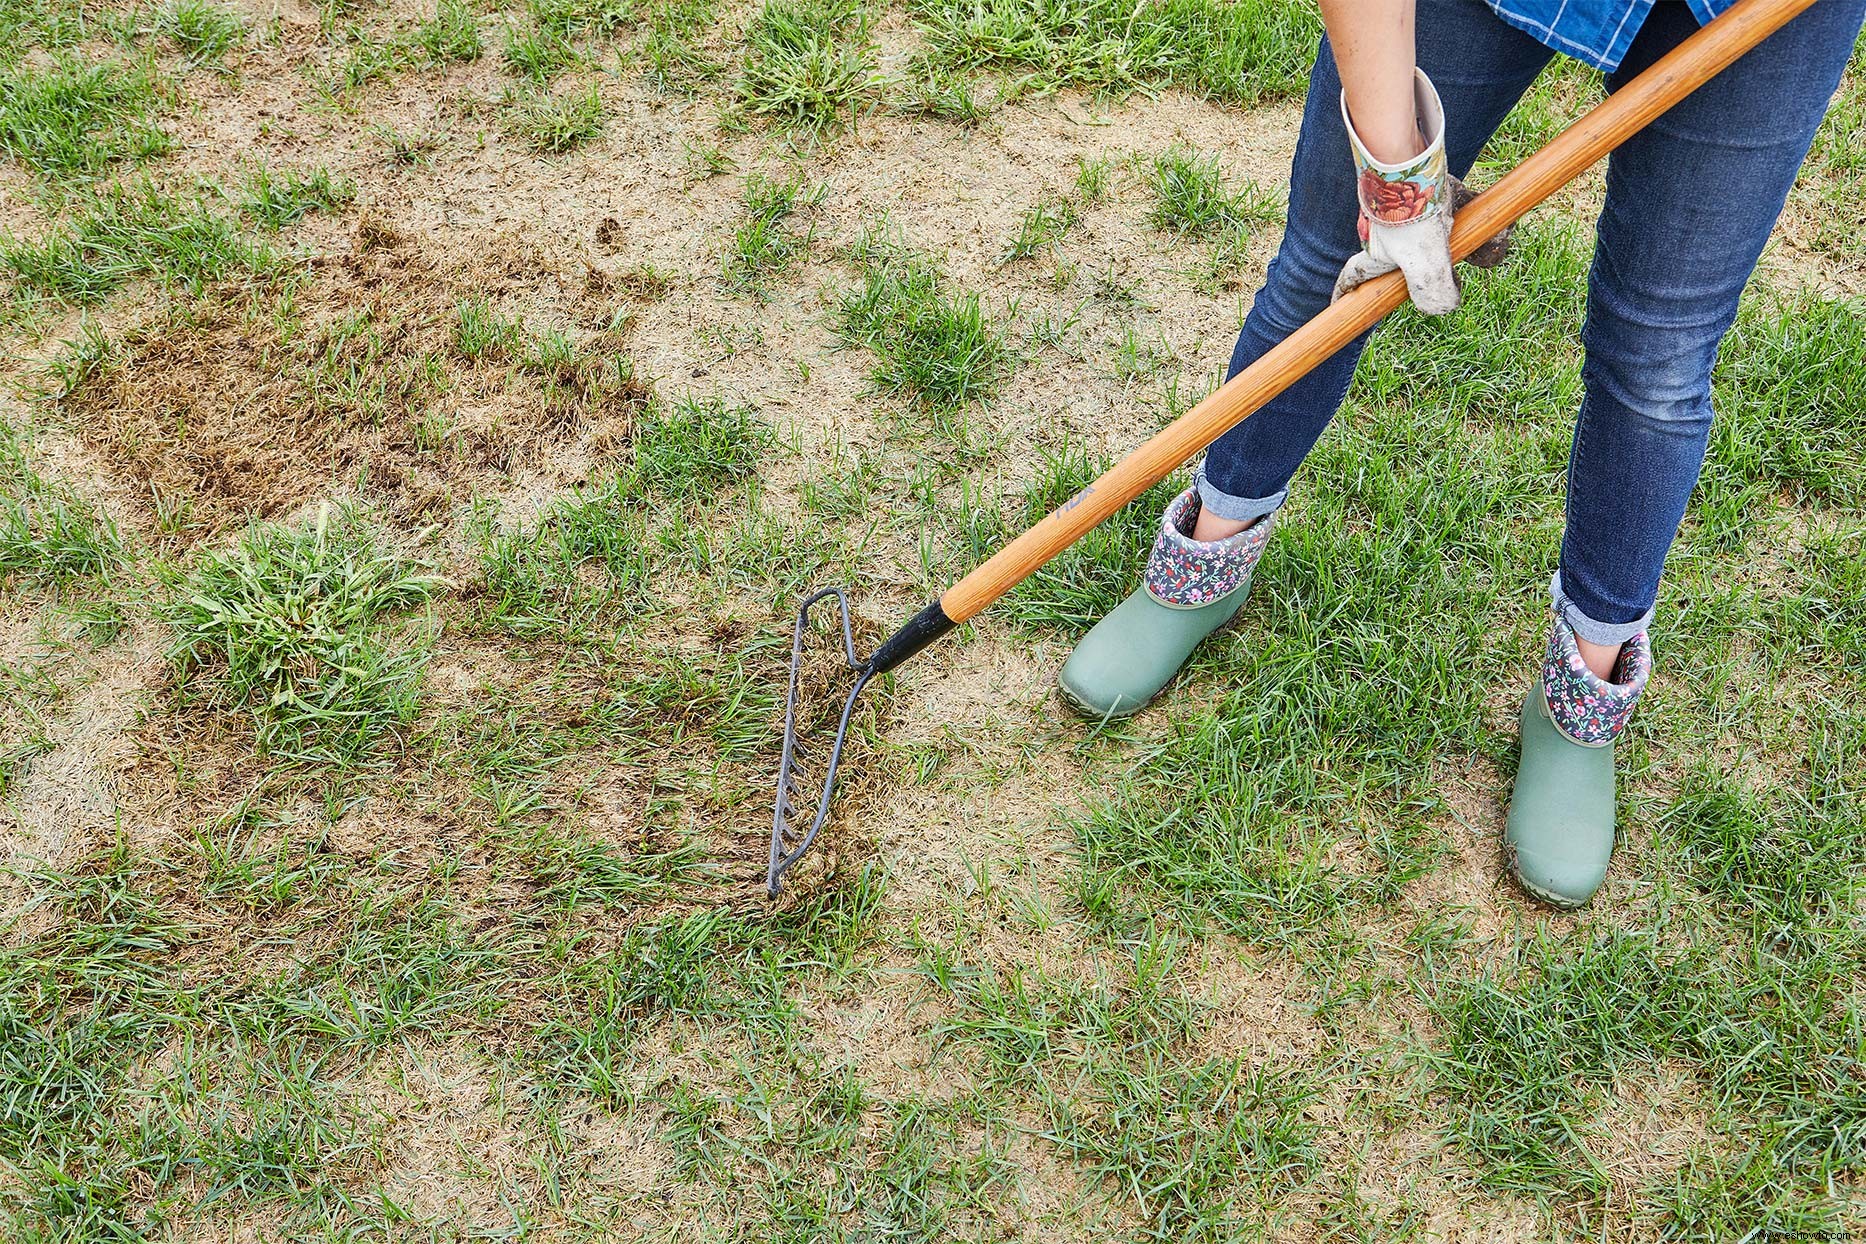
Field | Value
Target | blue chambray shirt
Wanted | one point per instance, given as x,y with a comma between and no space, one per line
1595,31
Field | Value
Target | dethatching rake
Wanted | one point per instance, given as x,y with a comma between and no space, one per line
1628,110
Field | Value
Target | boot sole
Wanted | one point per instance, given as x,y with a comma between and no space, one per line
1088,712
1537,892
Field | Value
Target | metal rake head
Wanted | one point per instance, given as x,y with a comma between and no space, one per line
787,846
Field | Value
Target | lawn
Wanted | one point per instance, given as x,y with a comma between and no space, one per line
417,428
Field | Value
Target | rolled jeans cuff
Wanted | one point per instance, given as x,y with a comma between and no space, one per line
1237,509
1606,634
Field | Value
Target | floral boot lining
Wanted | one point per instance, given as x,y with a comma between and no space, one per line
1187,573
1588,710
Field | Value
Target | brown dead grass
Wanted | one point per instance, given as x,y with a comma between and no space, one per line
252,403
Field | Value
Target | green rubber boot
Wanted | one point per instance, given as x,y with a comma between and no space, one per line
1559,835
1191,589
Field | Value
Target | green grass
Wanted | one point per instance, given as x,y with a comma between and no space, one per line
944,94
275,200
556,124
452,34
539,55
704,161
1834,176
1534,1047
79,998
1190,199
583,560
1789,416
245,1110
1043,225
78,117
693,448
1840,145
1239,53
303,632
365,59
1194,1148
1836,567
1530,1052
482,333
702,968
573,376
204,32
1780,859
675,65
48,536
673,53
935,346
1196,1145
46,24
362,56
574,18
554,37
125,233
360,368
765,246
808,62
583,871
668,969
1189,196
587,561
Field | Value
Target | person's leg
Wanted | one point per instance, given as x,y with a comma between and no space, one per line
1481,68
1691,200
1198,574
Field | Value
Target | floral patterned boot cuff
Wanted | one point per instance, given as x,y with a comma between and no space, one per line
1186,573
1586,709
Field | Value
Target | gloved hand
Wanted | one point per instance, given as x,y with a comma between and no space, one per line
1407,209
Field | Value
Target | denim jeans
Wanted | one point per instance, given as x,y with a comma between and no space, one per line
1690,201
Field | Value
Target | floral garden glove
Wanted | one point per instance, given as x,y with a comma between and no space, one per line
1406,212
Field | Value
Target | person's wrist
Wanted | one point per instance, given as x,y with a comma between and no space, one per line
1391,142
1397,191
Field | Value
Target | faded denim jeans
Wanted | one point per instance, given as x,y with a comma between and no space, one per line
1690,202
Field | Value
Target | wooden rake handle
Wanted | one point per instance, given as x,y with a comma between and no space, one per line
1682,70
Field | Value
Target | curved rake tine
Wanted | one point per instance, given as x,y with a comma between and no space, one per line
783,854
1695,61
